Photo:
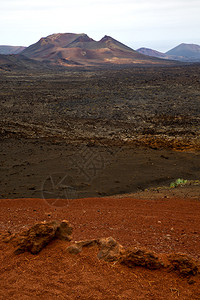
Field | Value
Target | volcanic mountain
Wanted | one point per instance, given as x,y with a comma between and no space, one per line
151,52
70,49
183,52
11,49
187,50
155,53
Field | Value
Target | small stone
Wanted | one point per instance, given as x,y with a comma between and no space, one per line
168,236
74,249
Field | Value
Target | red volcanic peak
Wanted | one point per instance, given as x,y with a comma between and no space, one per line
72,49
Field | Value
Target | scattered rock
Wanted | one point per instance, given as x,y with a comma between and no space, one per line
109,248
78,246
37,237
74,249
183,264
143,258
87,243
64,231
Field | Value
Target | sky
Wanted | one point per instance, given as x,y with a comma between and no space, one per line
156,24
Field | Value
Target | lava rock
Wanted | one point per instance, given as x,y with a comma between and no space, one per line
139,257
37,237
183,264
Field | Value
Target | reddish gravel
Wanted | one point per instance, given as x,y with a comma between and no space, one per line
159,224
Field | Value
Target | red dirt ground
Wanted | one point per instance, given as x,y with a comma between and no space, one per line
162,223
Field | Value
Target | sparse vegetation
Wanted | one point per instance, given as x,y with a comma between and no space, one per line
178,181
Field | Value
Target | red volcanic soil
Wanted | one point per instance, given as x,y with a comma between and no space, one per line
160,222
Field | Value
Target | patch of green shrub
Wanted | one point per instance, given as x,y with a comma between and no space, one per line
178,181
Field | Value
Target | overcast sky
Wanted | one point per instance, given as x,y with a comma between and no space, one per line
156,24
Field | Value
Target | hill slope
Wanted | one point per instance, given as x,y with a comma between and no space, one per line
19,62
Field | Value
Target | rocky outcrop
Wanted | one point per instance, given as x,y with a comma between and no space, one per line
109,248
183,264
143,258
37,237
77,247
